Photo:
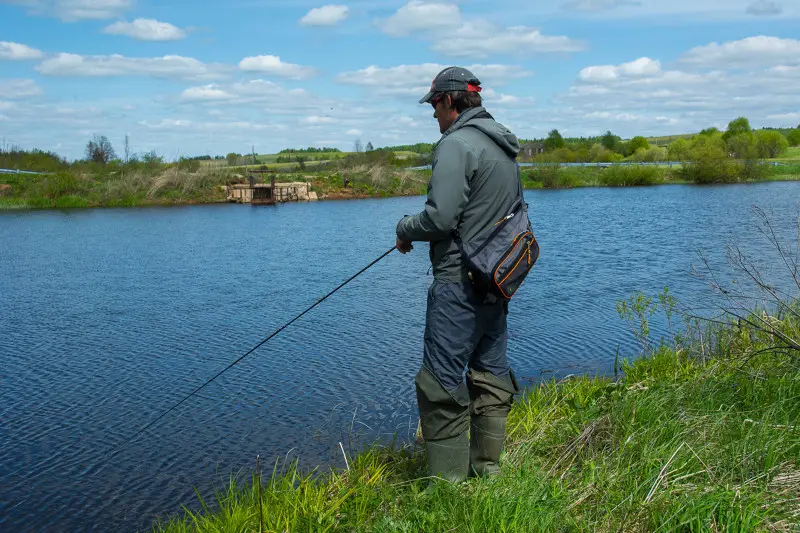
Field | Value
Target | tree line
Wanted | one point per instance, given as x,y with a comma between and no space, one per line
738,141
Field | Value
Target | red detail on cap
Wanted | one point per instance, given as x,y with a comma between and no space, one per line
473,88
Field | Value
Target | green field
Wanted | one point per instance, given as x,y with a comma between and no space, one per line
793,154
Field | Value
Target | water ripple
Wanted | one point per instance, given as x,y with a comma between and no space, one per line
110,317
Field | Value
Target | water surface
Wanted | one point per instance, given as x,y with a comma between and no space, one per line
111,316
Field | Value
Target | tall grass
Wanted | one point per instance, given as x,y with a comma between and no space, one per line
631,176
558,177
681,442
127,186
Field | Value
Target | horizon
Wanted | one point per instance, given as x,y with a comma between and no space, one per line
190,79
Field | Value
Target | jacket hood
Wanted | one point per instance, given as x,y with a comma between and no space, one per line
478,117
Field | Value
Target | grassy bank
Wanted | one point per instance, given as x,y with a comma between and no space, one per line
127,186
702,434
561,177
189,182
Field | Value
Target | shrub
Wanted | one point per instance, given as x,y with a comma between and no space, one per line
60,184
679,150
547,175
794,137
619,176
188,165
650,155
33,160
771,143
711,170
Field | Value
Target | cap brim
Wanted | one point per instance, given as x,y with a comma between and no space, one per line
426,98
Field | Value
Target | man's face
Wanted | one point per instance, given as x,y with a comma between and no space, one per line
443,114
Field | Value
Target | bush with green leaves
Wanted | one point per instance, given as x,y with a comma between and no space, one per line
32,160
794,137
624,176
679,150
771,143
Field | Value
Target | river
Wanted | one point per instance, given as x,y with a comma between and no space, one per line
111,316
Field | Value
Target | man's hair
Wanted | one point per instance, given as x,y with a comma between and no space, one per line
463,100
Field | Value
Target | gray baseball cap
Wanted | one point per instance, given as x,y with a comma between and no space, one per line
452,79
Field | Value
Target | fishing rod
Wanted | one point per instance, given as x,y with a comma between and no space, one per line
393,248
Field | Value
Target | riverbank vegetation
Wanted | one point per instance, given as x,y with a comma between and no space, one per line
699,432
103,178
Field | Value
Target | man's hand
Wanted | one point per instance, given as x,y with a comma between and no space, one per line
403,246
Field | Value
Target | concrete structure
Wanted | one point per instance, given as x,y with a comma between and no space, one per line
269,193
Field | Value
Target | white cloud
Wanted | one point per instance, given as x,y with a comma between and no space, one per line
167,123
411,81
482,39
792,117
494,98
315,119
764,8
209,92
444,25
146,30
249,91
725,82
74,10
642,67
19,88
749,52
273,99
353,131
325,16
417,16
597,5
170,66
269,64
16,51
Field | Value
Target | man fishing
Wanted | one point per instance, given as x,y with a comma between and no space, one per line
474,183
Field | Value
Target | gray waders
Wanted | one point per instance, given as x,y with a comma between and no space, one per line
463,424
481,406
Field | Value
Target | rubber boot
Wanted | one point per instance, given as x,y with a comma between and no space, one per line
492,398
444,418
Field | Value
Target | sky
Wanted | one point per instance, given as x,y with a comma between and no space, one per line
194,77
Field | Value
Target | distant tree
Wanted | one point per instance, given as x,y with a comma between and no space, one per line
743,145
679,150
794,137
99,150
301,162
554,141
771,143
637,143
737,126
152,158
369,147
610,141
600,154
232,158
357,146
709,131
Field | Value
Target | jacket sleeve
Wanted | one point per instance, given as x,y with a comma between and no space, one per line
448,191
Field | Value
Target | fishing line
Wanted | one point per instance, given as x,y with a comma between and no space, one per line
255,347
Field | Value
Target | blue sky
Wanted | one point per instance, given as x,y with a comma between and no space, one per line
193,77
